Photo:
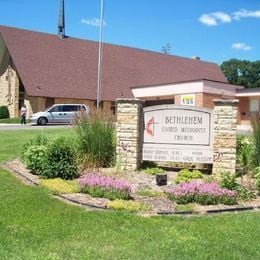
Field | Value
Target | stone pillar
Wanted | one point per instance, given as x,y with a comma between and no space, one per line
129,134
225,130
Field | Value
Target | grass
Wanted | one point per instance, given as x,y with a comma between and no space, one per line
185,208
12,141
16,120
33,225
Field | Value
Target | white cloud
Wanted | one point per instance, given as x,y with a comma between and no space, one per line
92,22
213,19
244,13
241,46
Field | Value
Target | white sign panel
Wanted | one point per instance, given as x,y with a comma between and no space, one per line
188,100
177,134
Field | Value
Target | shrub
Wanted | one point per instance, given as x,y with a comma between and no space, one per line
131,206
103,186
244,193
154,170
185,175
59,186
228,181
4,112
96,138
38,140
244,153
148,164
202,193
33,158
60,160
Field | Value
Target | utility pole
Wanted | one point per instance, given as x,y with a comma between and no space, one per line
100,54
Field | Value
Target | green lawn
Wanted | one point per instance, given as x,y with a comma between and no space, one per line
34,225
15,120
11,142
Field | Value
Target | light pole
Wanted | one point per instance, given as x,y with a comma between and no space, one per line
100,54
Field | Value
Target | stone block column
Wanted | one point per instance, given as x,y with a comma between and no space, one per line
225,130
129,134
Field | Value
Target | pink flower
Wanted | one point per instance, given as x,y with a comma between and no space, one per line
93,179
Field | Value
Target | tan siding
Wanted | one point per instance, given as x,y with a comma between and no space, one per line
9,91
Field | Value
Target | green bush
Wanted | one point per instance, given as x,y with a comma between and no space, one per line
228,181
34,158
96,138
244,193
38,140
154,170
4,112
186,175
60,160
148,164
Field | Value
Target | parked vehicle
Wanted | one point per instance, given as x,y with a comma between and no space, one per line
58,114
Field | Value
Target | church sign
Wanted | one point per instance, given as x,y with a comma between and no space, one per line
177,134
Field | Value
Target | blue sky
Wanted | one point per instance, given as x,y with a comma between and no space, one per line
216,30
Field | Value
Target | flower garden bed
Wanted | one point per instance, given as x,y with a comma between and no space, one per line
150,198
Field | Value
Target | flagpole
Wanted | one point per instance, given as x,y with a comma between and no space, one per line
100,53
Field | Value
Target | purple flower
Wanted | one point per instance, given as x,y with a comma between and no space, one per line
205,193
97,180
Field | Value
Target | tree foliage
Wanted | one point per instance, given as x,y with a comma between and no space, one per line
242,72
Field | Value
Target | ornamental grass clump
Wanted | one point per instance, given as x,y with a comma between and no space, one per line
202,193
104,186
96,138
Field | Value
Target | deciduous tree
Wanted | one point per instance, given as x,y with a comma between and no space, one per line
242,72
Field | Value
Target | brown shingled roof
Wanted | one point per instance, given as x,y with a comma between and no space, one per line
53,67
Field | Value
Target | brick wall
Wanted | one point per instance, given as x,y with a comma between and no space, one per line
208,99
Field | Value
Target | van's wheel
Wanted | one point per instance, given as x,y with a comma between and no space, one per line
42,121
